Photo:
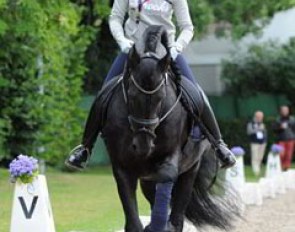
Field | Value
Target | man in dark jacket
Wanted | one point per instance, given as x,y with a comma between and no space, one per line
284,127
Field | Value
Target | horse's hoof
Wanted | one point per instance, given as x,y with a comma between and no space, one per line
135,228
176,227
148,229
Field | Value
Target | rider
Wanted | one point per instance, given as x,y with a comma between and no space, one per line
141,14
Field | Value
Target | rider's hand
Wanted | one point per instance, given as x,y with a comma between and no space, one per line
126,45
174,53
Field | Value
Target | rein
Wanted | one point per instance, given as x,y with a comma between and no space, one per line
155,122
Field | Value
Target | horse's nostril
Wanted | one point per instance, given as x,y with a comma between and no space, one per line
134,147
153,145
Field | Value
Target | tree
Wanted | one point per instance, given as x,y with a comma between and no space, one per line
101,51
241,17
42,65
268,68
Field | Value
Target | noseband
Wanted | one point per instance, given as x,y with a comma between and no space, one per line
144,123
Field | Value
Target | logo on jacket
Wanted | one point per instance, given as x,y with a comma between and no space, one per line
158,7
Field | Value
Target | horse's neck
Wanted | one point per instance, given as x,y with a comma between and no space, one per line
172,82
171,93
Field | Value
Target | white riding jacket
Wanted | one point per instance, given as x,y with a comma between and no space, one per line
153,12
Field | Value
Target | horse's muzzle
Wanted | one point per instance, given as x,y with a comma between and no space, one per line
143,144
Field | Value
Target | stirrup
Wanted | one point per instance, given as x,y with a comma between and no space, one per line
226,158
73,161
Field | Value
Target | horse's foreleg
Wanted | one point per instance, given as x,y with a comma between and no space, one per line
126,184
181,197
149,191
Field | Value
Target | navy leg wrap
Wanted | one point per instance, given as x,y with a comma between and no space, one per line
160,212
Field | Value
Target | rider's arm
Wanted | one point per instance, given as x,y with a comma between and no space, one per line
185,24
116,20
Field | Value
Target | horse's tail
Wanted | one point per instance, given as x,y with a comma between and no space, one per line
217,206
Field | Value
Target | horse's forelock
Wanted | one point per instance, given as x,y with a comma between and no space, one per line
154,36
150,52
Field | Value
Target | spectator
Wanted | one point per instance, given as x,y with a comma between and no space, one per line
284,127
257,133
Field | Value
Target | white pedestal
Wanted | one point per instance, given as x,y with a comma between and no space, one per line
273,165
273,183
267,187
236,175
188,227
252,194
280,184
289,179
31,211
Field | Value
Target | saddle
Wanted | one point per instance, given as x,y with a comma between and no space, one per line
104,96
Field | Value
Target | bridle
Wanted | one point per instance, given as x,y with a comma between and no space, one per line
146,124
147,92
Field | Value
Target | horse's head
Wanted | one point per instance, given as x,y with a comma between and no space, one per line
146,92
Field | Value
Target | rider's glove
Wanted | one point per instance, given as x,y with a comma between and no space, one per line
125,45
174,52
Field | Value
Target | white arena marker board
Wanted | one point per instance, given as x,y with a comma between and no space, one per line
274,172
31,210
268,187
236,175
250,193
289,178
273,165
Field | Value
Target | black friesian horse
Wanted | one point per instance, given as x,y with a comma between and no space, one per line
146,127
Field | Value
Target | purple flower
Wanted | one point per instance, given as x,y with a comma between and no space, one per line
23,167
238,151
275,148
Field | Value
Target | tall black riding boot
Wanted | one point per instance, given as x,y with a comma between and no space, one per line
80,155
226,157
199,106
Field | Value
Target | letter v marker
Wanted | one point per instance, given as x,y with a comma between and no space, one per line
28,213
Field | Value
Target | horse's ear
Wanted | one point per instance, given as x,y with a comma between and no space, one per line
133,58
165,62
